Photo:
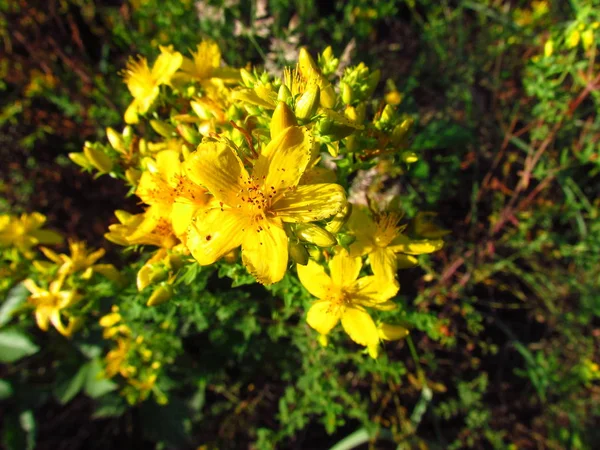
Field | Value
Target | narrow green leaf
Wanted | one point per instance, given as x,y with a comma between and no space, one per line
14,345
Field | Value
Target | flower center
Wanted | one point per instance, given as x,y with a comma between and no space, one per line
387,228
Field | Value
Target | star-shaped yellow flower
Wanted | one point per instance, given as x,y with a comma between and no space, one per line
50,303
381,238
144,83
343,296
250,208
26,232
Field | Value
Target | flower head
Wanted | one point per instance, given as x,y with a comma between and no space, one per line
49,303
381,238
143,82
343,296
26,232
250,207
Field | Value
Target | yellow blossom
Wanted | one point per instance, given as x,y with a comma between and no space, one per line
80,258
127,232
116,358
343,296
381,238
171,195
250,208
144,83
26,232
205,64
50,303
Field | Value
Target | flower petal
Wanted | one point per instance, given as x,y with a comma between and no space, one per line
213,233
181,217
323,315
391,332
265,250
309,203
169,165
283,161
314,279
343,268
384,264
166,65
219,169
369,291
360,326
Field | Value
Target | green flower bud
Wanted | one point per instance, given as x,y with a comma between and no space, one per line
116,140
402,131
283,117
80,160
98,159
284,93
298,253
189,133
340,219
347,94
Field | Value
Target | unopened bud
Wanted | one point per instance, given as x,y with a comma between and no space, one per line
327,97
161,294
298,253
347,94
80,160
150,274
345,240
162,128
201,110
188,133
314,234
402,131
284,93
283,117
133,176
98,159
372,82
307,104
116,140
339,220
409,157
390,332
247,78
315,254
306,63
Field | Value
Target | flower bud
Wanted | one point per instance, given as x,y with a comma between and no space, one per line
315,253
372,82
161,294
298,253
345,240
98,159
283,117
314,234
116,140
389,332
306,63
307,104
80,160
327,97
247,78
284,93
409,157
347,94
201,110
402,131
133,176
150,274
339,220
162,128
188,133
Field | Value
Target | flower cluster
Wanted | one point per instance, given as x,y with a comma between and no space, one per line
236,164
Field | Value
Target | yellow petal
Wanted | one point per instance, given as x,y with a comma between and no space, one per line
51,255
309,203
360,326
406,261
166,65
265,250
47,237
169,166
32,287
213,233
181,217
343,268
42,317
131,113
314,279
283,161
218,168
371,291
384,264
323,316
403,244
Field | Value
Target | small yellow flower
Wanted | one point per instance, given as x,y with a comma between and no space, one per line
128,232
381,238
26,232
80,258
342,296
50,303
250,209
116,358
143,83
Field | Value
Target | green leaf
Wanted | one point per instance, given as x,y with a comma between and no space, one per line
14,299
6,390
69,388
442,134
14,345
96,384
109,406
19,430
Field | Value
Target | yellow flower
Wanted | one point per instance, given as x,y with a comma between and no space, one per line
26,232
80,258
49,304
127,231
116,358
382,240
144,83
342,296
171,196
250,209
